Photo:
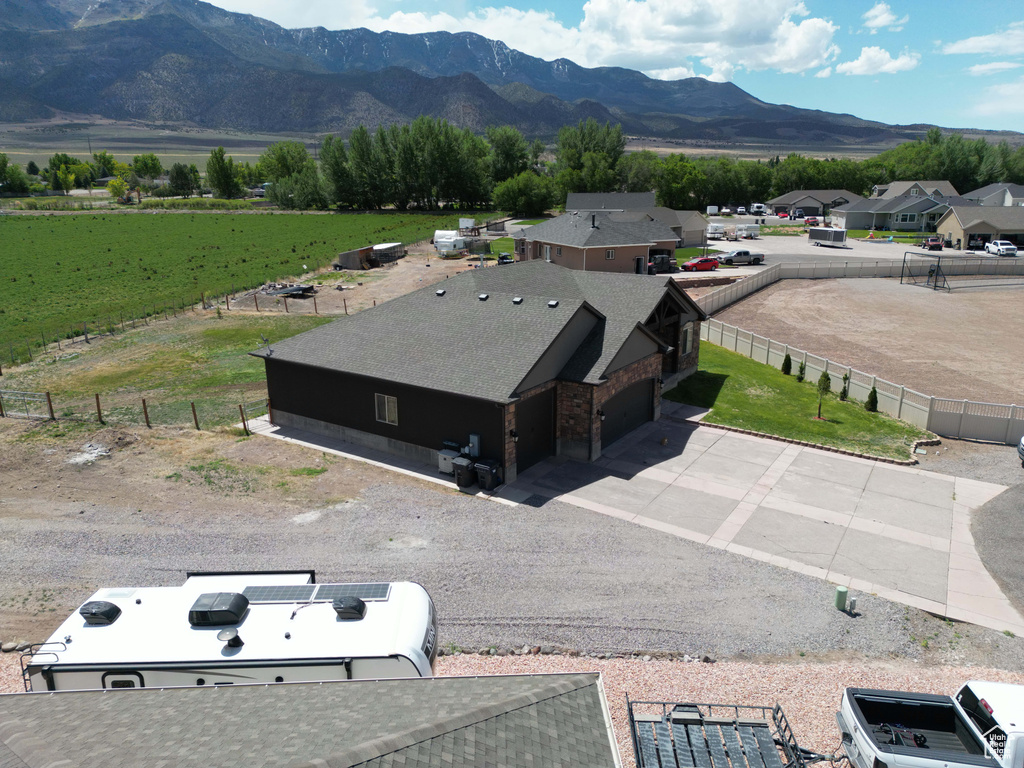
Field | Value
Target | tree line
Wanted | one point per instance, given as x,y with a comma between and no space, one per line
430,164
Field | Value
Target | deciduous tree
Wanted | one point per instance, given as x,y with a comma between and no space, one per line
221,176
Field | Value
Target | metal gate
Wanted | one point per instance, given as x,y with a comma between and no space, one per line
253,410
25,405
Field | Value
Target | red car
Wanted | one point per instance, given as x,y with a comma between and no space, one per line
702,264
782,215
811,221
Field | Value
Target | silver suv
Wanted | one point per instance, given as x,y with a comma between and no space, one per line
1020,451
1001,248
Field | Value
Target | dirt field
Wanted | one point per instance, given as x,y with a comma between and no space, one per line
962,344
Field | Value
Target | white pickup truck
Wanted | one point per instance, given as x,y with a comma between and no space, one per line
897,729
740,256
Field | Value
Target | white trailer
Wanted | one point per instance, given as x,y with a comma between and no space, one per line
716,231
448,240
827,236
712,210
233,628
748,231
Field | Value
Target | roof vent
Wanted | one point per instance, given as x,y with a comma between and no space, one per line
517,300
440,292
483,297
99,613
215,609
553,303
349,608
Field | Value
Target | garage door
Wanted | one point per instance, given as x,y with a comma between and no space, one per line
627,410
535,424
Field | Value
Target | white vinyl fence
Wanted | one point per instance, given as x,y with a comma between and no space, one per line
949,418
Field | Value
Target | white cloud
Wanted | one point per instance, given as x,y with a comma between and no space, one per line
998,43
672,73
1002,100
880,16
995,66
659,37
826,72
876,61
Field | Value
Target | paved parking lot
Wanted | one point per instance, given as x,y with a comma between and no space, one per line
898,532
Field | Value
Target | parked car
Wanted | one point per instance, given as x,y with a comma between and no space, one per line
701,265
811,221
933,243
798,213
1001,248
741,211
782,215
726,211
1020,451
506,258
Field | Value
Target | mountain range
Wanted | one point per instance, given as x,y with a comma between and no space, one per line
185,62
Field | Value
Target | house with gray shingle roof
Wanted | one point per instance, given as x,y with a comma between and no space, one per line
519,721
609,201
971,226
1001,194
914,189
606,241
905,213
533,359
813,202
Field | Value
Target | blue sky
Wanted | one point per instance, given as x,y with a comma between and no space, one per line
953,64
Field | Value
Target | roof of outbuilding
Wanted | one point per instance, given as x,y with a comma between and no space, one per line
530,721
609,201
459,343
825,196
590,229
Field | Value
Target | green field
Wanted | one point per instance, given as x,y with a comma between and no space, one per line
746,394
57,271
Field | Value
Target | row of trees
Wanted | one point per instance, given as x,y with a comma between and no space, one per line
430,163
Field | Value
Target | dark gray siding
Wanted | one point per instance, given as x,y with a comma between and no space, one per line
425,417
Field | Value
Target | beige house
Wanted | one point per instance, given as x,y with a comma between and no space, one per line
691,227
973,226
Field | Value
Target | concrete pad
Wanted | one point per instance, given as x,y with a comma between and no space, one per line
975,493
693,510
894,564
726,470
789,536
834,469
572,476
904,513
925,487
628,495
812,491
763,452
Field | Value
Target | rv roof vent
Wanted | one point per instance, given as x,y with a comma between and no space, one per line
483,297
553,303
440,292
215,609
517,300
349,608
99,613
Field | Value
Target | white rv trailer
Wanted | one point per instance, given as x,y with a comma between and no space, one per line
227,628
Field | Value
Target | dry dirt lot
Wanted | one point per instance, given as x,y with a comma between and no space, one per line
963,344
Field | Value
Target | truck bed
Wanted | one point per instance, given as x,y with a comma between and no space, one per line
668,735
921,722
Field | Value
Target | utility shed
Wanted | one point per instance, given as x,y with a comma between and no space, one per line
528,360
519,721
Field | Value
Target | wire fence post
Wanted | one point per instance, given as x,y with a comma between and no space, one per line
49,406
85,331
286,304
99,411
195,418
245,424
315,310
345,302
2,413
256,298
145,413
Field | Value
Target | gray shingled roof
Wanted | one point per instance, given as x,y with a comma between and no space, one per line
890,204
610,201
898,188
1002,218
1015,190
599,230
458,343
825,196
530,721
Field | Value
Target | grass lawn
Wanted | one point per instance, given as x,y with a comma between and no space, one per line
686,254
531,222
56,271
503,245
746,394
899,237
199,358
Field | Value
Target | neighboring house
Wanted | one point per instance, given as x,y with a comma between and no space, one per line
519,721
533,359
914,189
690,226
813,202
907,213
974,225
603,242
1002,194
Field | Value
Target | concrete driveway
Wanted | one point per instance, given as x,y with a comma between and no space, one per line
899,532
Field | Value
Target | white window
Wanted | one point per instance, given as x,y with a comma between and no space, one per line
558,251
547,253
907,218
913,191
387,409
610,253
687,341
